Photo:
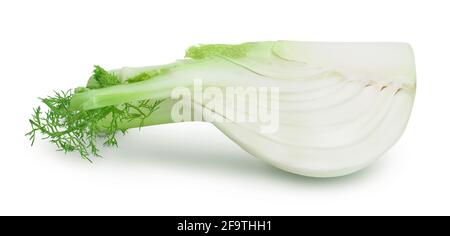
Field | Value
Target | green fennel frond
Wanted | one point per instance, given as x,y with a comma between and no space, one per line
103,78
79,130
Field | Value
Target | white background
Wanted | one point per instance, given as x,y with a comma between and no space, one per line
193,169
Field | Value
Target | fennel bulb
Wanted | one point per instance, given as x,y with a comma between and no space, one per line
319,109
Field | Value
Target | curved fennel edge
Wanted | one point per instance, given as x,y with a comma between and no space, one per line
325,173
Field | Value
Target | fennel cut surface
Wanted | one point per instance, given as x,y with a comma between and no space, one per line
340,105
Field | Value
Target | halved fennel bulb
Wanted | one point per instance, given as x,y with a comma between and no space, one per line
339,106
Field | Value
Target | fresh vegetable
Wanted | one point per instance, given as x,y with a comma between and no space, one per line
339,106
